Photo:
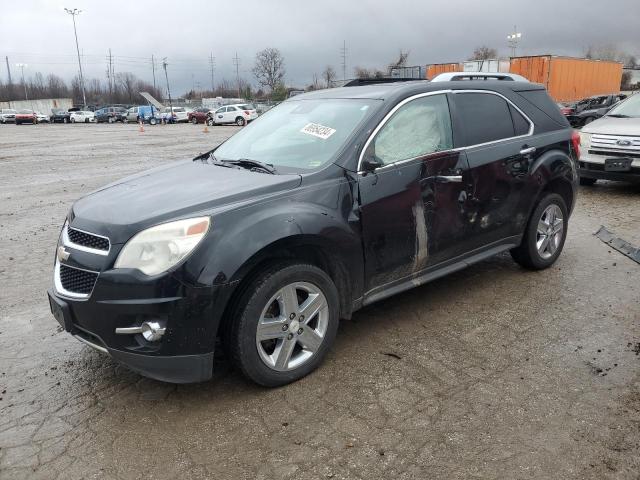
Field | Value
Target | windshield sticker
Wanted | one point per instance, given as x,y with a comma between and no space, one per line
318,130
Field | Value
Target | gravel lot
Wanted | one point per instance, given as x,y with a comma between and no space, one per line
492,372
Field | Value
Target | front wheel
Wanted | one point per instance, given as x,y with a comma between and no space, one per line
545,234
210,122
73,120
194,120
588,120
284,324
153,121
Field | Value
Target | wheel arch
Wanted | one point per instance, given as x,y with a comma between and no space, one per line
556,172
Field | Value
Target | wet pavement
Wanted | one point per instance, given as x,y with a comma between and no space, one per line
493,372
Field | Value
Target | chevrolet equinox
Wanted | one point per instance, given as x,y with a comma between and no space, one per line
331,201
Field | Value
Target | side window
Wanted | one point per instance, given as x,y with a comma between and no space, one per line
418,128
520,124
485,117
231,109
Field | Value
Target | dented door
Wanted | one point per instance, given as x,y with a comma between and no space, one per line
413,215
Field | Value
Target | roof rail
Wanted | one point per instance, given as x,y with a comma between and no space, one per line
372,81
456,76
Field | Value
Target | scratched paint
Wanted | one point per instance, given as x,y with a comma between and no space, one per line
421,249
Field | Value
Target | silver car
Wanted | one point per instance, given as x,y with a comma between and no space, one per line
7,115
610,146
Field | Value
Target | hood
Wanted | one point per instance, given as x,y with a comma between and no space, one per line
127,206
614,126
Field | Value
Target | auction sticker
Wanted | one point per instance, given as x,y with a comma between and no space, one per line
318,130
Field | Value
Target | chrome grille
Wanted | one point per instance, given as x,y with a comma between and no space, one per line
88,240
76,281
612,142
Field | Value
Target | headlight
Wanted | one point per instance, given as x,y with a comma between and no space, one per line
157,249
585,140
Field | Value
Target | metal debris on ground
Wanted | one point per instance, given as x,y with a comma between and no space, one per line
618,244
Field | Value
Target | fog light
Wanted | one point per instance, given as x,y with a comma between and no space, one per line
152,331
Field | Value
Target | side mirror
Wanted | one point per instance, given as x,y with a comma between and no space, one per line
369,160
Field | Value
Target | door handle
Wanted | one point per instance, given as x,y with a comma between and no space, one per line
527,150
449,178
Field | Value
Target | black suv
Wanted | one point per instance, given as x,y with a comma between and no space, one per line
329,202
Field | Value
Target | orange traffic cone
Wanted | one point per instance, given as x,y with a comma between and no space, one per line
206,127
141,129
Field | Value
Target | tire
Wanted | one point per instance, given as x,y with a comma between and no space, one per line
587,182
529,253
210,122
66,120
153,121
263,296
111,120
73,120
588,120
241,122
194,120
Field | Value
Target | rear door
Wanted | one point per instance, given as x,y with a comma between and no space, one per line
497,140
412,208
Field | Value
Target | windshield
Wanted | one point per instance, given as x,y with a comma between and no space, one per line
302,134
25,111
628,108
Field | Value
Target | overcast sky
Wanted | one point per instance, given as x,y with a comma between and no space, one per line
309,34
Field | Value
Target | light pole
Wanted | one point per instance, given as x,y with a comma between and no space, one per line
513,39
166,76
73,14
21,67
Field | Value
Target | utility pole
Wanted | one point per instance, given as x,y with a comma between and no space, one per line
110,77
8,70
164,65
343,54
212,64
236,62
21,66
153,70
73,14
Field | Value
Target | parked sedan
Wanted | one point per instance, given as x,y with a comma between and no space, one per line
199,115
240,114
590,109
175,115
7,115
83,117
60,116
26,116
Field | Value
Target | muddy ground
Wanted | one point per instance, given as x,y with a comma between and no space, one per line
493,372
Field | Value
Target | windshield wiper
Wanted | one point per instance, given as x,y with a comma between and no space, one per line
618,115
251,164
242,163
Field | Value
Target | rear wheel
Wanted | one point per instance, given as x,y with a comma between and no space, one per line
66,120
73,120
588,120
587,182
545,234
240,121
153,121
111,120
194,120
284,324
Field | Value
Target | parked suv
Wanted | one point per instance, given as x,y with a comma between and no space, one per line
330,201
7,115
611,145
111,115
240,114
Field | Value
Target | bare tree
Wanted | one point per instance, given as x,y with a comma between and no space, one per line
329,75
269,68
484,53
401,61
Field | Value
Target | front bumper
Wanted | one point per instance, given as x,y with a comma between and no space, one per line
592,166
126,298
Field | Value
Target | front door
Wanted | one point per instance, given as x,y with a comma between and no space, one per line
413,206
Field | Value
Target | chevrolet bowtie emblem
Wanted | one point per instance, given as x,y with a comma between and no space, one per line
62,254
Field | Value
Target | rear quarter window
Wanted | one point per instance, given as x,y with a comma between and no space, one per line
540,100
484,117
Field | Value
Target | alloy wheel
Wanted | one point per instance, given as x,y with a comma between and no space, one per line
292,326
550,231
